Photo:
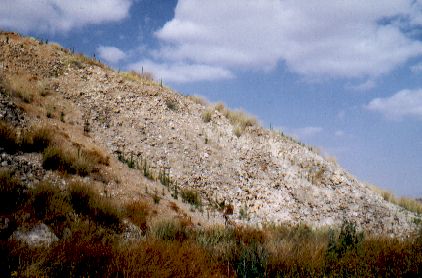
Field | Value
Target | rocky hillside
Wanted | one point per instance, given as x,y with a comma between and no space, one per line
191,146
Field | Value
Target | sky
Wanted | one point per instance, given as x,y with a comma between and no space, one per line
344,76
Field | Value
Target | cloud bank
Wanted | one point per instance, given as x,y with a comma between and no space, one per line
405,103
181,72
111,54
313,38
49,16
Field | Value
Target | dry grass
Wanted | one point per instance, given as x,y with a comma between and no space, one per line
73,159
191,197
138,213
207,115
199,100
12,193
173,248
238,118
37,139
165,259
87,202
68,160
410,204
174,207
22,86
80,61
58,154
407,203
52,206
8,137
98,157
138,77
168,229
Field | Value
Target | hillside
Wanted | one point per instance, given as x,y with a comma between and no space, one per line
224,156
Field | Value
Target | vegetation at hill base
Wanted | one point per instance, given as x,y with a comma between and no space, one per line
91,242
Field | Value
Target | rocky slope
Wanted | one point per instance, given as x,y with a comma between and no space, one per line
230,160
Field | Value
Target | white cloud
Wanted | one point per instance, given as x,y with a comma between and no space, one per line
417,68
314,38
182,72
405,103
111,54
305,132
56,15
339,133
364,86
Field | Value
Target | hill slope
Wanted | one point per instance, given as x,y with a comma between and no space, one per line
225,156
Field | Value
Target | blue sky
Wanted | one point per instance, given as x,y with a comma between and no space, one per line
344,76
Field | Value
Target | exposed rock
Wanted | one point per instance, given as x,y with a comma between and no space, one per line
131,231
39,235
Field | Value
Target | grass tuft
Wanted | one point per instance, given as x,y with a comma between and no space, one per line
71,160
88,203
37,139
22,87
198,100
138,77
12,193
8,138
207,115
238,118
169,230
191,197
138,213
407,203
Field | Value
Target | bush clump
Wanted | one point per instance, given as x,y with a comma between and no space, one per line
169,230
138,213
68,160
191,197
12,193
37,139
8,138
207,115
86,202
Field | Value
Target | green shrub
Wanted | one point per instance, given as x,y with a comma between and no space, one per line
243,212
191,197
252,261
171,104
348,240
213,236
169,230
